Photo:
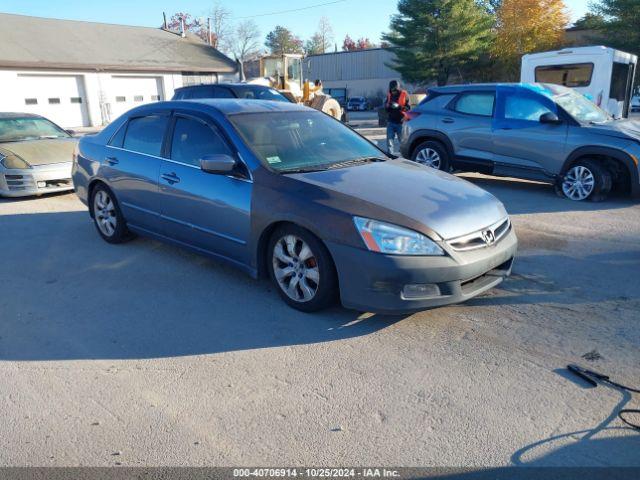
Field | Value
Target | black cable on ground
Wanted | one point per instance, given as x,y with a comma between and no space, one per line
592,378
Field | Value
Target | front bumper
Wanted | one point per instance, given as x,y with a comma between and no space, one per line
374,282
36,181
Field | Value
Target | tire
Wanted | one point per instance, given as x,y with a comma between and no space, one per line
307,284
432,154
107,216
587,179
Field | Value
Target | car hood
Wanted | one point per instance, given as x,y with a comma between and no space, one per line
421,196
42,152
625,128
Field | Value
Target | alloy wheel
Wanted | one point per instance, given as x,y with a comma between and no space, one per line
578,183
104,211
429,157
295,268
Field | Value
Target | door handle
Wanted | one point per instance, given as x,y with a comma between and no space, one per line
448,120
171,178
111,160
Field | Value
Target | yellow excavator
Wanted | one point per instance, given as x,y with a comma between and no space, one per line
284,73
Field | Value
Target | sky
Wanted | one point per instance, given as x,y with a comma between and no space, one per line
358,18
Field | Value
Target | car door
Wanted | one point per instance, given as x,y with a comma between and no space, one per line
131,167
207,211
522,145
467,122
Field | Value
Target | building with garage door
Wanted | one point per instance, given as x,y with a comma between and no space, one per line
84,74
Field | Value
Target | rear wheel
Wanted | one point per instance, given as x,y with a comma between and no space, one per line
586,179
107,216
431,154
302,269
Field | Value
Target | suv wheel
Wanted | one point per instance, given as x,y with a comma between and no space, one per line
302,269
431,154
586,179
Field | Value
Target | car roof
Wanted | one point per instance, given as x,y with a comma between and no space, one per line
19,115
231,84
540,87
231,106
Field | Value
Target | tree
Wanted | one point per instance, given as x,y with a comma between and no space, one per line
622,23
281,40
324,35
434,38
364,44
191,24
314,46
590,21
526,26
348,44
221,31
245,43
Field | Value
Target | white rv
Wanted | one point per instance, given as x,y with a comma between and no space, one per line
602,74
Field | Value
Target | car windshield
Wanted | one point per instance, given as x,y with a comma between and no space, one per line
260,93
580,107
28,128
302,141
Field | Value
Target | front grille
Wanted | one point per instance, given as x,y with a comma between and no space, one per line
16,183
482,238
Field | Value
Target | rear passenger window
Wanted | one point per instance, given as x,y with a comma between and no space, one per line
118,138
476,104
192,140
200,92
145,134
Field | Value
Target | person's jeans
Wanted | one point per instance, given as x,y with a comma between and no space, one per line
393,130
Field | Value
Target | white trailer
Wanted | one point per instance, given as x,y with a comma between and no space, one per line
603,74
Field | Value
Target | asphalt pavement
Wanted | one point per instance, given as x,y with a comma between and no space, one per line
144,354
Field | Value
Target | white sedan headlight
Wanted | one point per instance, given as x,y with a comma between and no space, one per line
392,239
12,161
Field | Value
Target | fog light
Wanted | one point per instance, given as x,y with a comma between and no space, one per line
42,184
425,290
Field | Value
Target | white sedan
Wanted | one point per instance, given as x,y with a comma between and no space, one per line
36,156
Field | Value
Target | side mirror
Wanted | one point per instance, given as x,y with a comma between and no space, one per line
71,132
550,118
218,163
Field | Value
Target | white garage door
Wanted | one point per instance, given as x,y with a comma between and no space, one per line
128,92
60,98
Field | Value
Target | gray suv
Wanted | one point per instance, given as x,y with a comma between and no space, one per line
534,131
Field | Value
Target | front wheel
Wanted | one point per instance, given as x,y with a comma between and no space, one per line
302,269
586,179
431,154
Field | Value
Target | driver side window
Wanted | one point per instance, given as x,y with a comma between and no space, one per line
193,139
518,107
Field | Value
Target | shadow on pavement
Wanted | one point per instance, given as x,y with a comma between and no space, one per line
142,299
521,196
588,447
559,278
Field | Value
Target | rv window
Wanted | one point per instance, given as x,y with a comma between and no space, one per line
619,81
569,75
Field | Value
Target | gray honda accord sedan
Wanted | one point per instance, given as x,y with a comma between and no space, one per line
281,190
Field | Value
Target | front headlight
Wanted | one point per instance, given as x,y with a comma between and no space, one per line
392,239
13,161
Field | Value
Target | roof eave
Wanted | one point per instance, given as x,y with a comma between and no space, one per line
116,68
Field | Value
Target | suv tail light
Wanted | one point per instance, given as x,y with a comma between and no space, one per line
411,115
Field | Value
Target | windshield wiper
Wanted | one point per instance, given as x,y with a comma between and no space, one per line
356,161
303,170
332,166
